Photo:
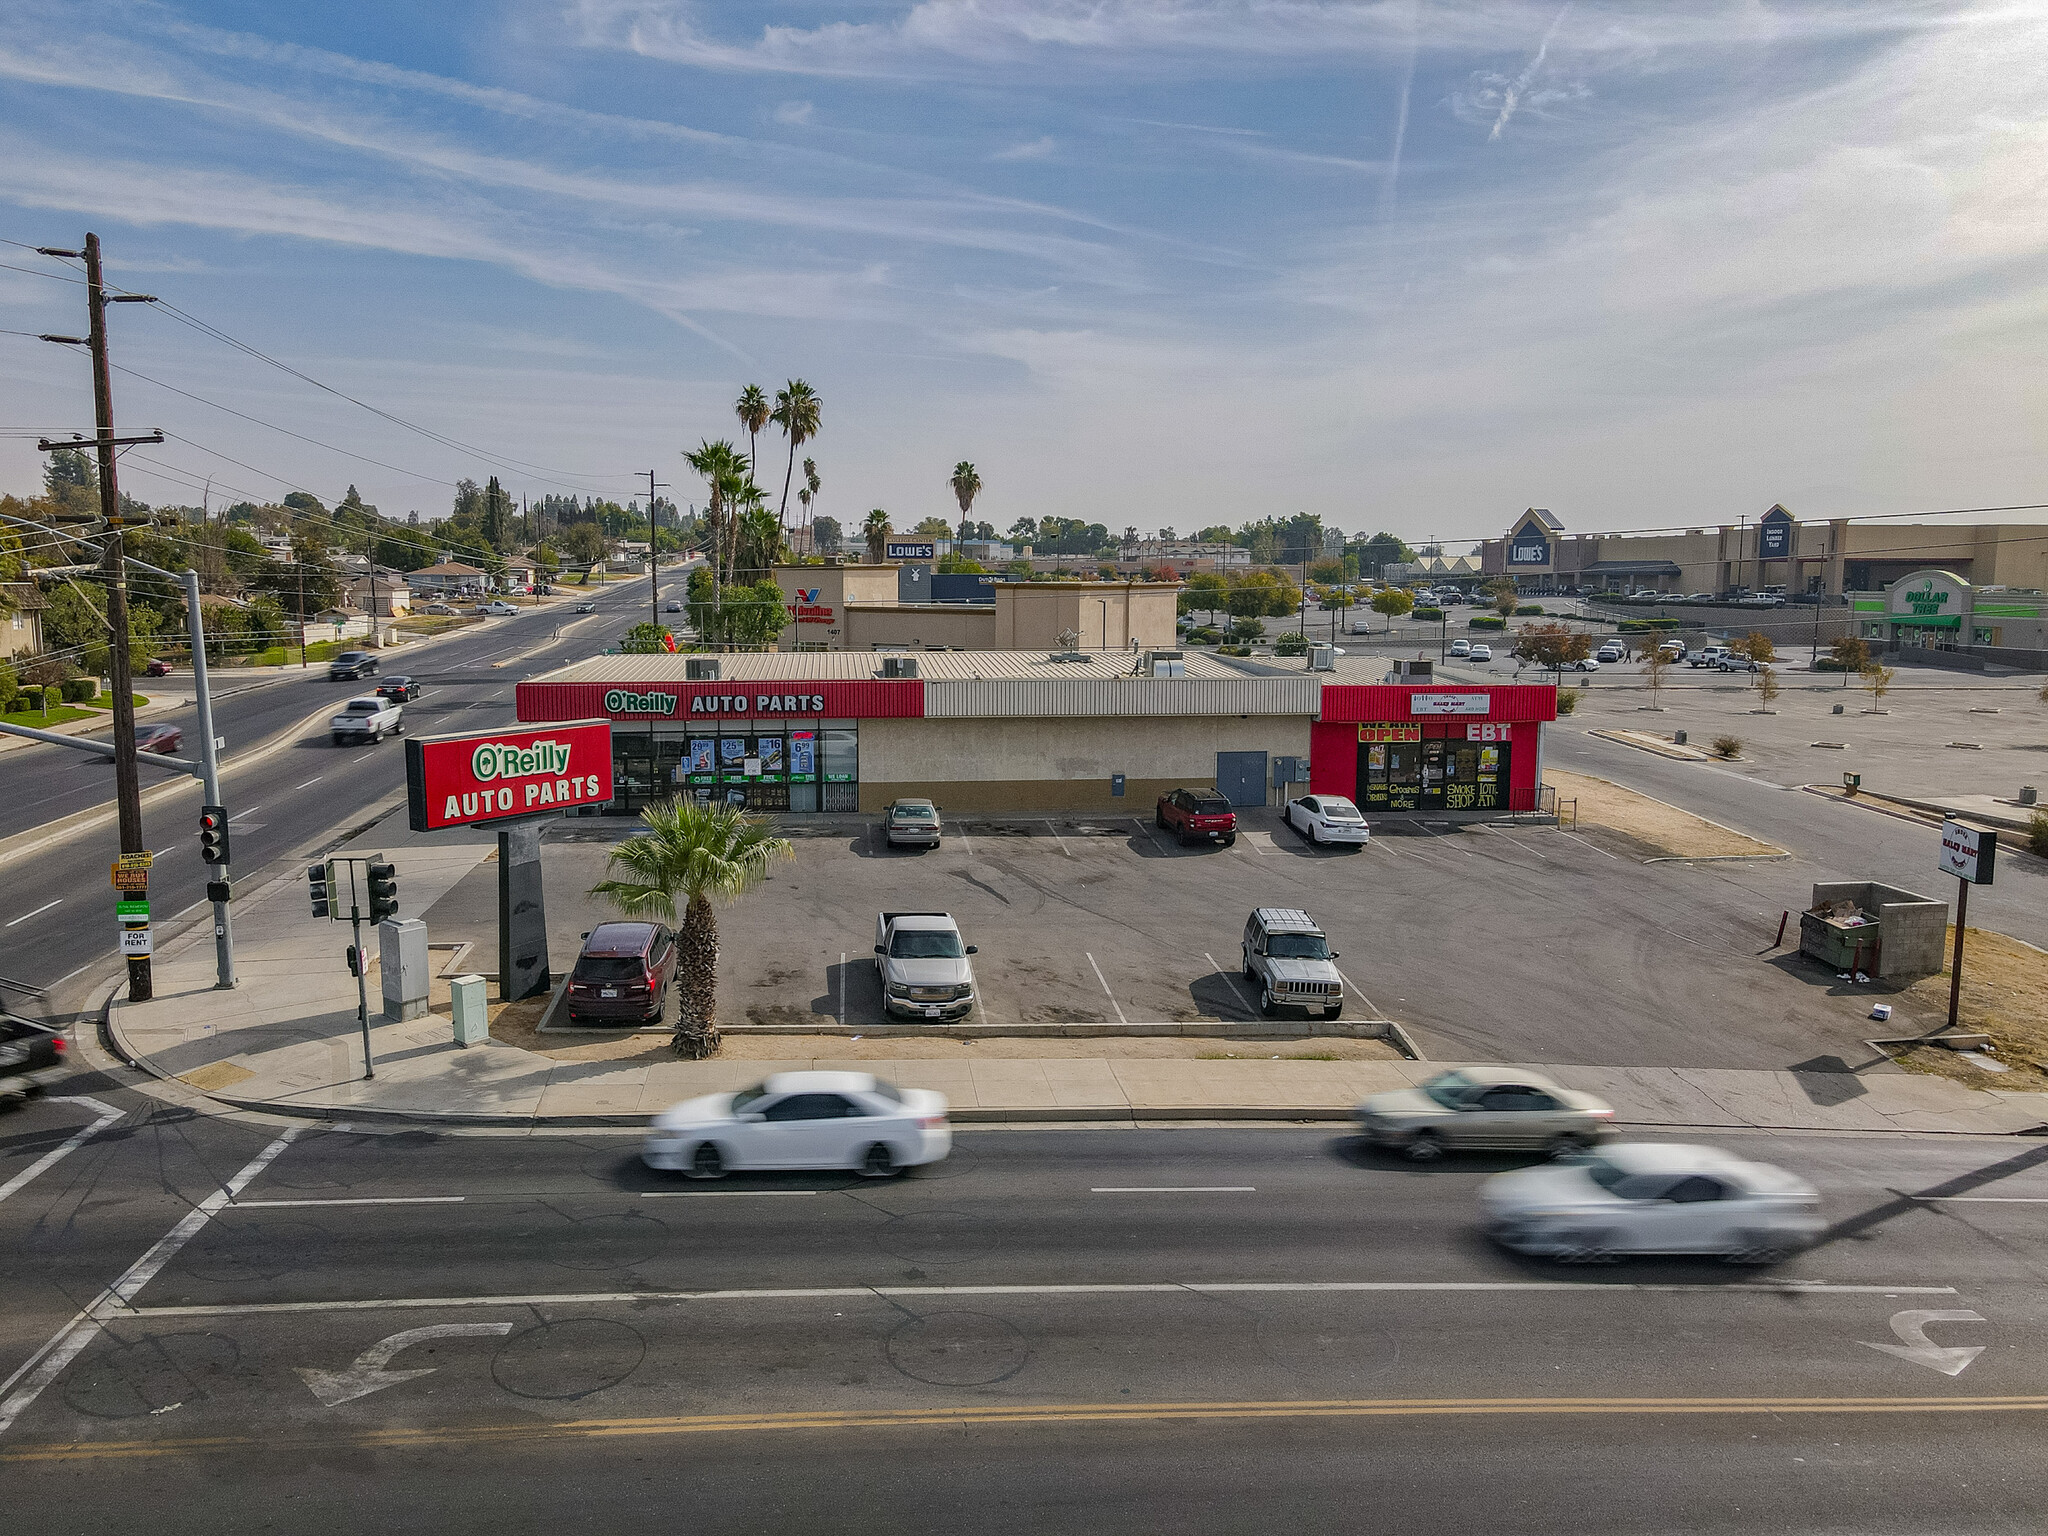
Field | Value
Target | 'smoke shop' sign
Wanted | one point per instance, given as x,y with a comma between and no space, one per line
482,776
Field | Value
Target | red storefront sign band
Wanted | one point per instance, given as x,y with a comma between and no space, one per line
482,776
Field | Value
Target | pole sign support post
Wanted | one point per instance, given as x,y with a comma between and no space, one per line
1971,856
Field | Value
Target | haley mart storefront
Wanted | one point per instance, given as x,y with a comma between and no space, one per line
977,731
1444,751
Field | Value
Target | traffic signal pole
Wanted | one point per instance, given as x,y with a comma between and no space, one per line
209,773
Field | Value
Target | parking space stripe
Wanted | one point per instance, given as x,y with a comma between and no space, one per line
1055,831
1229,980
1361,995
279,1205
1105,990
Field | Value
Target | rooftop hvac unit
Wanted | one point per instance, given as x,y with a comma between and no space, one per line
1322,658
1411,671
1165,664
899,666
700,669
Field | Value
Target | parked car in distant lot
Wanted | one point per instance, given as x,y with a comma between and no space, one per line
803,1120
622,974
368,718
441,610
1289,960
402,690
351,665
167,739
1707,656
1481,651
1587,665
1611,652
1461,647
1196,815
157,667
1494,1107
32,1057
1653,1198
1327,819
911,823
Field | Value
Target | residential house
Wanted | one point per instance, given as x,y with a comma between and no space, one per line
21,626
383,593
448,578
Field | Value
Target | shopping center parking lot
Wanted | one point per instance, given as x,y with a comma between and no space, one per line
1516,944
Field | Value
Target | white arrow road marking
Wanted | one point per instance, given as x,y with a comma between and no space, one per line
1914,1345
368,1375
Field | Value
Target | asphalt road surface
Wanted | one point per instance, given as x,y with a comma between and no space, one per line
1169,1329
56,922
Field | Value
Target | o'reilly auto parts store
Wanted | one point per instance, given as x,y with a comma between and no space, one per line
1011,731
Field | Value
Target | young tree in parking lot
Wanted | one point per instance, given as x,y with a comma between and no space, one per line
1767,687
1656,663
1877,677
702,855
1393,602
1556,646
1849,654
1503,594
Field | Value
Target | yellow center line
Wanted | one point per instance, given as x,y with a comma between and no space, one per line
1018,1414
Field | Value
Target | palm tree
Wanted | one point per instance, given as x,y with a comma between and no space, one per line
811,484
719,464
760,542
703,854
796,412
752,410
966,486
876,530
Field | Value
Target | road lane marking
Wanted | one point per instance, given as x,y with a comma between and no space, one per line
706,1194
65,1345
313,780
249,812
1175,1189
278,1205
39,911
1984,1199
1130,1288
1105,989
1055,831
1592,845
107,1116
1017,1414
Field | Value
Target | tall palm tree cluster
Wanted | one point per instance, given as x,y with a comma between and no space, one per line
741,534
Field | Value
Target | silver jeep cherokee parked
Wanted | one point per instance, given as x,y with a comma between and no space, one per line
1289,960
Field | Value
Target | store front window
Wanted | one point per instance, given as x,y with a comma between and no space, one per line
1437,767
763,765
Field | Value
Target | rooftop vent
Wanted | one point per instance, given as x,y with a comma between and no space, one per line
899,666
1163,664
700,669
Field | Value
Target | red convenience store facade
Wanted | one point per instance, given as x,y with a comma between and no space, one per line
1402,749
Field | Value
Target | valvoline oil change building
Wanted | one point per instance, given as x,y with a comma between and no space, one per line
1103,732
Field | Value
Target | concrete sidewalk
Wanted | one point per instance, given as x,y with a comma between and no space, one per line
286,1040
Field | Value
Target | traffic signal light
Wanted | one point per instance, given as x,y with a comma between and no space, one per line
383,890
321,878
213,834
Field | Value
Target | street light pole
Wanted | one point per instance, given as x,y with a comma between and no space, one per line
209,769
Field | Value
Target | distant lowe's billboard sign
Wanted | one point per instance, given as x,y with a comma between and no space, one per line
1529,546
909,549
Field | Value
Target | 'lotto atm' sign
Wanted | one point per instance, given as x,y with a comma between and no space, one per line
484,776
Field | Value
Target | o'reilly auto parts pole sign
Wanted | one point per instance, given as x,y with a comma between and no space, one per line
482,776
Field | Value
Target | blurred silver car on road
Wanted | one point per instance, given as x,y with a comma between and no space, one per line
1490,1107
1648,1197
803,1120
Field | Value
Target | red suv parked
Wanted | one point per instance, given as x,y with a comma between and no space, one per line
623,974
1197,815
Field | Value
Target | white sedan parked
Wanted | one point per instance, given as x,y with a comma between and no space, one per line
1650,1198
803,1120
1327,819
1482,652
501,610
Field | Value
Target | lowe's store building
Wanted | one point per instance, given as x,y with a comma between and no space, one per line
1105,732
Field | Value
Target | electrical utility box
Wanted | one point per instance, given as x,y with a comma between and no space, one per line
402,961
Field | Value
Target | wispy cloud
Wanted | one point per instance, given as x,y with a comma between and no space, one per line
794,113
1513,95
1031,149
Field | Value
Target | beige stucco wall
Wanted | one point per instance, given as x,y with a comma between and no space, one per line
1108,615
837,586
923,624
1058,765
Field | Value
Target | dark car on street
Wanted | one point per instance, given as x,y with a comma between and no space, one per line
350,665
167,739
401,690
623,974
1197,816
31,1057
157,667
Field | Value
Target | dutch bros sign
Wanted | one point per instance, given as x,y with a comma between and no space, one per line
475,776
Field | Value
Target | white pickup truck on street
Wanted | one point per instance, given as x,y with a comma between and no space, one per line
923,965
368,718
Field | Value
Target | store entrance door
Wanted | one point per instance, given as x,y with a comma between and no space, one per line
1241,778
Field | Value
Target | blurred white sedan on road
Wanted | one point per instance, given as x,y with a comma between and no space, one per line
1327,819
803,1120
1645,1197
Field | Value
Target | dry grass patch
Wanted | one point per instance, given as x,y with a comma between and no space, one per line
2005,996
1664,829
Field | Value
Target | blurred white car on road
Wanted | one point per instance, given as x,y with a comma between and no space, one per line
1648,1197
803,1120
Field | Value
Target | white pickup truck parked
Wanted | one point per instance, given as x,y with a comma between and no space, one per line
923,965
368,718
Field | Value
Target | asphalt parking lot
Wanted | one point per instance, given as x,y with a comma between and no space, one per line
1521,944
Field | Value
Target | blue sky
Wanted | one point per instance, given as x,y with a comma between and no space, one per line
1151,262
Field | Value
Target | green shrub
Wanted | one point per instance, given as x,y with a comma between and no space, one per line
10,685
1644,626
1568,700
1727,746
1427,615
1487,621
77,690
1529,611
1292,643
1829,664
1203,634
2037,833
30,697
1233,650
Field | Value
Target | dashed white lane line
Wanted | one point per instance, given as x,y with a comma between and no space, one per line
107,1116
313,780
249,812
1176,1189
708,1194
39,911
68,1342
1105,990
1592,1290
1985,1199
279,1205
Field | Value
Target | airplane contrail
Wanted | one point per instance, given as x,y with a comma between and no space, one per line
1528,74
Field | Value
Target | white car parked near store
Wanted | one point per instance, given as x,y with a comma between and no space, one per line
1327,819
803,1120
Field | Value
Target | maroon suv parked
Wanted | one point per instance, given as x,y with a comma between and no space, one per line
1197,815
623,974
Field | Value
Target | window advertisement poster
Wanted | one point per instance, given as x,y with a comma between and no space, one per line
732,756
768,751
803,757
701,767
